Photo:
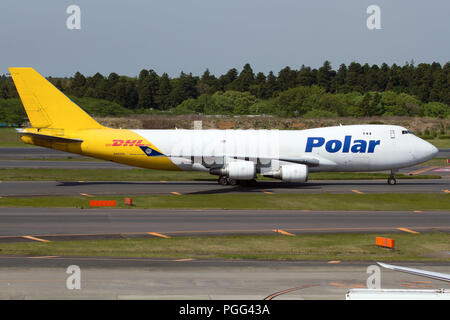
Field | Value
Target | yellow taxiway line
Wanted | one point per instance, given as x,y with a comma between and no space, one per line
156,234
422,170
408,230
35,239
283,232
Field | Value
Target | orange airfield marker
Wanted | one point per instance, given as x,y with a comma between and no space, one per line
102,203
385,242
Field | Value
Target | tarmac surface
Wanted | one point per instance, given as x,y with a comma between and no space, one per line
178,279
148,278
59,164
75,188
34,152
55,224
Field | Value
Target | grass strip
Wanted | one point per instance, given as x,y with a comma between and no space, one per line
325,201
409,247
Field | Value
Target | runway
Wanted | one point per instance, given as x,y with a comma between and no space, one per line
55,164
56,224
90,164
74,188
180,279
34,152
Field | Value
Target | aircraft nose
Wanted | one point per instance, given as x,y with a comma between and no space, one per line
426,150
434,151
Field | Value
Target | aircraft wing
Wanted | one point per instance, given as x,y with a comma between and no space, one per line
423,273
310,162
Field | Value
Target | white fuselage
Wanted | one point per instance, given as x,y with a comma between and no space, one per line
340,148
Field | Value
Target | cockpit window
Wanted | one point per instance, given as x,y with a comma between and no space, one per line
407,132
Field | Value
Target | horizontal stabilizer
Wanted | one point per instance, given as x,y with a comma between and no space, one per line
50,138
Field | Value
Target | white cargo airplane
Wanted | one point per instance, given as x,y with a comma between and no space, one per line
236,156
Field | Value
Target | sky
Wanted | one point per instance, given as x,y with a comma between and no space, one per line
191,35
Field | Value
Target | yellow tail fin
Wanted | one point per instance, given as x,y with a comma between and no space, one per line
46,106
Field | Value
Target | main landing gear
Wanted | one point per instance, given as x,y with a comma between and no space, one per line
391,180
224,181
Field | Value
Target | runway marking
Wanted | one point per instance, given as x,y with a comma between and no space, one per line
163,181
422,170
408,230
81,181
343,285
357,191
178,232
35,239
267,192
156,234
187,259
176,193
86,195
334,261
106,259
276,294
417,211
416,284
283,232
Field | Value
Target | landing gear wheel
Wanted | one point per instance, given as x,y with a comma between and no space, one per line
391,181
223,181
232,182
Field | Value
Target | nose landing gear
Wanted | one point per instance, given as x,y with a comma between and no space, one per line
391,180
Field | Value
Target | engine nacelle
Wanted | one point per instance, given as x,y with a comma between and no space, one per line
238,170
292,173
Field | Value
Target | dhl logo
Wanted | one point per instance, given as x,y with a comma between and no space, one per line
127,143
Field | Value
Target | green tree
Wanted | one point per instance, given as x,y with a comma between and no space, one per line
162,97
436,110
324,75
287,78
246,78
148,85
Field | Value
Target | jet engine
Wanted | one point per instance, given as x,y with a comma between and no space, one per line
292,173
239,170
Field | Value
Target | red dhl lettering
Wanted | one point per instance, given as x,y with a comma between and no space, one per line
117,143
127,143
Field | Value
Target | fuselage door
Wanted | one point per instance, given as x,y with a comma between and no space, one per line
392,134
